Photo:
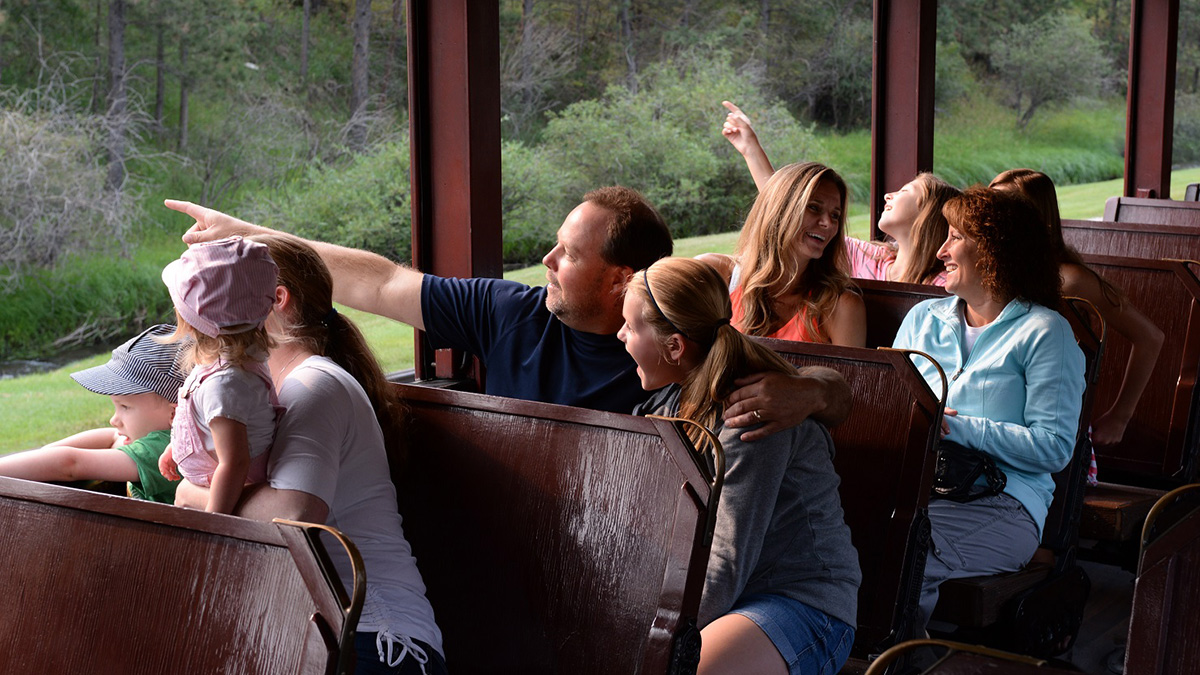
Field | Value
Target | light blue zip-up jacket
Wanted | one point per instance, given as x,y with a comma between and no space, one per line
1018,394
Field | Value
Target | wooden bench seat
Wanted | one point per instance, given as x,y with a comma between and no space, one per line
555,539
94,583
887,303
978,602
1160,211
885,461
1113,512
1132,240
1116,512
1160,445
1164,623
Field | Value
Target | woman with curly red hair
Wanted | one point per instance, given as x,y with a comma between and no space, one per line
1015,385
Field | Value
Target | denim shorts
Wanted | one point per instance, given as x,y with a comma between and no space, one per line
809,640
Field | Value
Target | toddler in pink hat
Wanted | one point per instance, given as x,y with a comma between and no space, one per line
224,424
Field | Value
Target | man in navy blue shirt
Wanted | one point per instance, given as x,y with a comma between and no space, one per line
556,343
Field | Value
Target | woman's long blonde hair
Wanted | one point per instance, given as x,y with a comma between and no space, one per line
689,297
770,270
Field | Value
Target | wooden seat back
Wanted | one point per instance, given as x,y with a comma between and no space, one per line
1132,240
885,460
1164,622
1161,211
887,303
551,538
1160,443
100,584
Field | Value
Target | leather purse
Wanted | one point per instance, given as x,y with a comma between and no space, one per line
959,468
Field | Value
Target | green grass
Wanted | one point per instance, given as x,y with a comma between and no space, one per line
36,409
39,408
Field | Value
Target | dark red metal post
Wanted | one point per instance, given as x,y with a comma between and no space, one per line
901,96
454,127
1150,116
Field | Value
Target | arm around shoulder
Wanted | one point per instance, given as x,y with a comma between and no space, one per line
773,401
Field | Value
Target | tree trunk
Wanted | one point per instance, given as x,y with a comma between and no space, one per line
160,71
685,17
117,100
764,18
393,50
304,38
182,143
358,73
99,75
526,54
624,17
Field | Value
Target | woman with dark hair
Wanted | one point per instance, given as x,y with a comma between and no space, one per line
912,217
1015,384
1079,280
780,594
330,463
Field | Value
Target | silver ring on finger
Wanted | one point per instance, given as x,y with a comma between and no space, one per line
758,415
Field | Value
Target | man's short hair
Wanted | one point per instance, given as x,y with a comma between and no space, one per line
637,235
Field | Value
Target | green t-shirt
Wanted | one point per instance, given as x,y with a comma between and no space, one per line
145,452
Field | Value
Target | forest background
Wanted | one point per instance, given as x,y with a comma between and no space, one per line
292,114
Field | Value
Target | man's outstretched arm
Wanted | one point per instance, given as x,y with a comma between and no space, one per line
777,401
361,279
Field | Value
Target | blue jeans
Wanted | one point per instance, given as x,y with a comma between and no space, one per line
369,663
810,641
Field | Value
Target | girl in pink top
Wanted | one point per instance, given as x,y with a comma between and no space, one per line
912,217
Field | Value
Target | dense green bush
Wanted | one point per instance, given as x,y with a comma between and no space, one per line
952,78
362,203
1049,60
664,140
1186,149
84,302
534,201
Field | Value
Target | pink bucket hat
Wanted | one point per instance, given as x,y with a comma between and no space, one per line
222,284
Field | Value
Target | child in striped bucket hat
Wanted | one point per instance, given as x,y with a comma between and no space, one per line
142,378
